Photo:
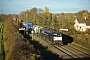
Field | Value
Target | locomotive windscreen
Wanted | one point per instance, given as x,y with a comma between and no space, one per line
56,35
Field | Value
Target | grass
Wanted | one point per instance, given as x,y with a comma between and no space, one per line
80,46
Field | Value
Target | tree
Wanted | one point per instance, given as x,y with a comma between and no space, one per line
46,9
47,16
85,15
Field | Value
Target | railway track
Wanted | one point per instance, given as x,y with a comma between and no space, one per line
84,52
62,54
66,52
73,51
54,50
76,53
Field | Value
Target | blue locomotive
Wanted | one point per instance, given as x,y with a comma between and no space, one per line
26,27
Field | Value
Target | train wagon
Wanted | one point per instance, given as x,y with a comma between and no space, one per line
37,28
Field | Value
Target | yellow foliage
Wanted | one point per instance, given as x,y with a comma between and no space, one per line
47,11
87,35
85,15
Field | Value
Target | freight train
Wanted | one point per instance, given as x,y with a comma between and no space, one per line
51,35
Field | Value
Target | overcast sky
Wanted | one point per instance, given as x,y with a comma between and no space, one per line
55,6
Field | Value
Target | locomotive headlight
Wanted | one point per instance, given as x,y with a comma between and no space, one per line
60,35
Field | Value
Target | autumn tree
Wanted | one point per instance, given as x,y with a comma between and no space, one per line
22,16
48,16
33,12
81,14
85,15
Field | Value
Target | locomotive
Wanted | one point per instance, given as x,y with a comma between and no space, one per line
51,35
26,27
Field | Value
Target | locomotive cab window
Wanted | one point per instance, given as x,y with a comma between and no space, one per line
56,35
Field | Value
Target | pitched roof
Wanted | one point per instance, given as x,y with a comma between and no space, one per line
87,21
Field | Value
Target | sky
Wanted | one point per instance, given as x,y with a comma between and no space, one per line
55,6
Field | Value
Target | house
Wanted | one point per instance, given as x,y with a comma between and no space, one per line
80,25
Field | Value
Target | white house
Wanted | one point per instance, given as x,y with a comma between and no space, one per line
80,26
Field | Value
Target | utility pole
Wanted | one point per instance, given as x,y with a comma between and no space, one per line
26,17
2,11
26,20
34,19
27,32
53,21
